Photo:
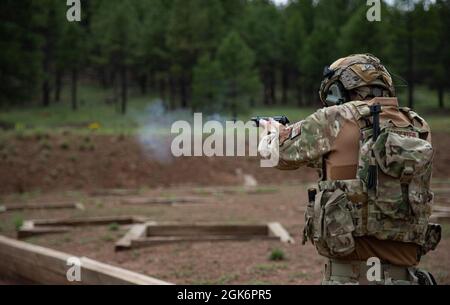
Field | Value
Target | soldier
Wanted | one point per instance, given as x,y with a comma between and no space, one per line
375,158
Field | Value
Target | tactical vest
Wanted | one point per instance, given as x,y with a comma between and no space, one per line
390,199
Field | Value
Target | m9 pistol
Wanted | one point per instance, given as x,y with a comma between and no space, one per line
283,120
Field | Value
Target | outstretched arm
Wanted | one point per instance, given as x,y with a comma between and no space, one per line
306,142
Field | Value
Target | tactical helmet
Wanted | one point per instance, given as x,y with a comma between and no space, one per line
362,73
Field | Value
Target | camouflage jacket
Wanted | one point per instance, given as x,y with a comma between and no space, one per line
312,138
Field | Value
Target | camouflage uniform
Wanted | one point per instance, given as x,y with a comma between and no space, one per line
385,201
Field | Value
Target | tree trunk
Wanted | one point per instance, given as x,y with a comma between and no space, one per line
74,89
46,88
284,86
124,85
172,93
273,87
441,97
143,83
300,96
103,76
266,95
46,93
183,93
58,85
410,72
162,89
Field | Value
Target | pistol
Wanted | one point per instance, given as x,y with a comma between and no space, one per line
283,120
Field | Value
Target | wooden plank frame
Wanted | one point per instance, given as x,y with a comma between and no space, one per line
41,206
29,263
54,226
174,201
153,233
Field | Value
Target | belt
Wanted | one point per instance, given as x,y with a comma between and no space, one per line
358,270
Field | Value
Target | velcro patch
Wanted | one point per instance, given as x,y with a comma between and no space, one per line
296,130
405,133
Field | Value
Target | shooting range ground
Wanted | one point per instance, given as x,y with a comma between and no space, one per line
39,201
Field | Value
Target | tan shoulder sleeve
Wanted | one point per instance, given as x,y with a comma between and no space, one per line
314,138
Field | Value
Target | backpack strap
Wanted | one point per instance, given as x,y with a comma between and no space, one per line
375,111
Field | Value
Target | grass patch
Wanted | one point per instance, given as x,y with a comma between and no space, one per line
108,238
18,222
95,115
267,269
114,227
277,255
64,145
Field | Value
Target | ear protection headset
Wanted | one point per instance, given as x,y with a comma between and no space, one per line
342,77
332,91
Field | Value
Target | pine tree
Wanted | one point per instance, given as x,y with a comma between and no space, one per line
72,55
208,86
261,29
50,21
195,27
20,64
241,81
116,30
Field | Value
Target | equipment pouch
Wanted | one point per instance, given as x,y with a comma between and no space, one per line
401,206
432,238
403,161
338,225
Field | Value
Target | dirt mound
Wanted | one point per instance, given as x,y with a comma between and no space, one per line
72,162
50,162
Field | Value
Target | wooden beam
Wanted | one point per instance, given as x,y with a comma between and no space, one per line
153,233
35,264
440,217
441,191
42,206
95,272
88,221
276,229
115,192
439,208
35,231
53,226
161,200
137,231
159,240
167,229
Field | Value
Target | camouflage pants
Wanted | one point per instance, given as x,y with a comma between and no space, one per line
355,273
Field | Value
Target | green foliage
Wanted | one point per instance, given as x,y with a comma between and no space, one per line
116,29
277,255
208,86
19,51
174,50
113,227
18,222
64,145
241,82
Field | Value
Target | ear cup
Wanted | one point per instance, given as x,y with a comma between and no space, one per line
336,94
